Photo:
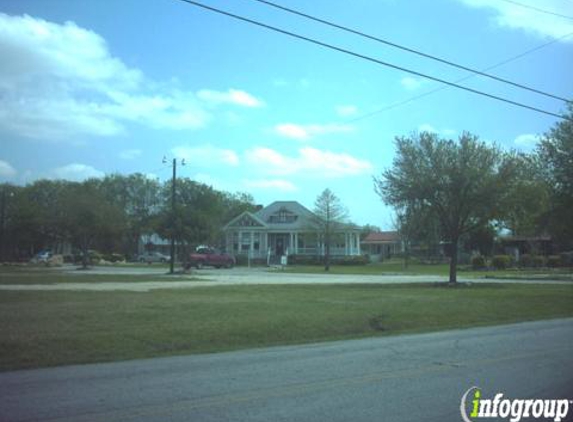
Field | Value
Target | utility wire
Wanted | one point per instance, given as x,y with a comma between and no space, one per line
371,59
408,49
440,88
537,9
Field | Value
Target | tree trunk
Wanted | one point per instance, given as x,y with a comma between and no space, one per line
85,254
454,263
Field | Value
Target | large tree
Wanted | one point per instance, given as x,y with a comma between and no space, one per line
556,155
330,215
464,183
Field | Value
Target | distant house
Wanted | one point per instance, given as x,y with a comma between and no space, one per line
520,245
382,245
286,228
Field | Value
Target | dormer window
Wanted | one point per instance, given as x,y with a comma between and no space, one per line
283,216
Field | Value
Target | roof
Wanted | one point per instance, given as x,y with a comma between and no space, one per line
382,237
303,217
283,216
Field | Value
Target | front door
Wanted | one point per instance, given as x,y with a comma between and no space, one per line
280,249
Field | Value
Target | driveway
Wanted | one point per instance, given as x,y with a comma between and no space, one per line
401,378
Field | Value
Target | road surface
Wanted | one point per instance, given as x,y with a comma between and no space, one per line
401,378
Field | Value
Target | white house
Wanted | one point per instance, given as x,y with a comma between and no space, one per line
286,228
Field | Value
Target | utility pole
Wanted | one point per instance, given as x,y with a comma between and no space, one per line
173,204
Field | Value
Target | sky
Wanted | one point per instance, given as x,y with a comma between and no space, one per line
95,87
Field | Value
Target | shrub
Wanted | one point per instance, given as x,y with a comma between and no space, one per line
478,262
351,260
554,261
567,259
531,261
113,257
501,262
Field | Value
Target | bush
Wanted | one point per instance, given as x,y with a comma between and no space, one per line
478,262
351,260
567,259
113,257
554,261
501,262
305,260
531,261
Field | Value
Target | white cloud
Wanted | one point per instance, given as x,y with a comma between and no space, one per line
525,17
232,96
130,154
310,162
410,83
76,172
6,169
431,129
58,81
206,155
272,184
427,128
346,110
526,141
307,132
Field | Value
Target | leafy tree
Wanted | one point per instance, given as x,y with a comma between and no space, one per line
527,204
139,199
556,155
90,217
367,229
462,183
330,215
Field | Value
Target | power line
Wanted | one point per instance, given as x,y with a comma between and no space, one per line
371,59
537,9
408,49
440,88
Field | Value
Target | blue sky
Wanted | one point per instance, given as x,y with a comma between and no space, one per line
93,87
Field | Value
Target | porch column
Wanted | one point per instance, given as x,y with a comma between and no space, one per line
240,242
296,243
251,246
358,243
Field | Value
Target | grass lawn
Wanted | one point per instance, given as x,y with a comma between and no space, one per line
395,266
49,328
44,275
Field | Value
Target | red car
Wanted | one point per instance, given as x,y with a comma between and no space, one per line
204,256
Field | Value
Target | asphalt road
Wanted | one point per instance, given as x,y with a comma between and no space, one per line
402,378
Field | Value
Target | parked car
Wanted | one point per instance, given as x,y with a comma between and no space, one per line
42,256
205,256
150,257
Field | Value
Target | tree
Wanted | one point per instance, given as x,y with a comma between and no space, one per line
330,214
138,197
464,184
527,205
90,217
556,155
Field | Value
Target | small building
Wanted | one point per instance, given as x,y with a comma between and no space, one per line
382,245
286,228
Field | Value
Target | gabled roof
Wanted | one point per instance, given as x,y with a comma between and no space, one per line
382,237
246,214
304,217
284,216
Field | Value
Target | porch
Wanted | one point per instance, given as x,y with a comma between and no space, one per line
260,244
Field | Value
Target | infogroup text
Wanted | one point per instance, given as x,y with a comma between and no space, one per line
514,409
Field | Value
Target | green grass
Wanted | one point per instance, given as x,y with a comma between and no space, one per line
395,266
43,275
41,329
